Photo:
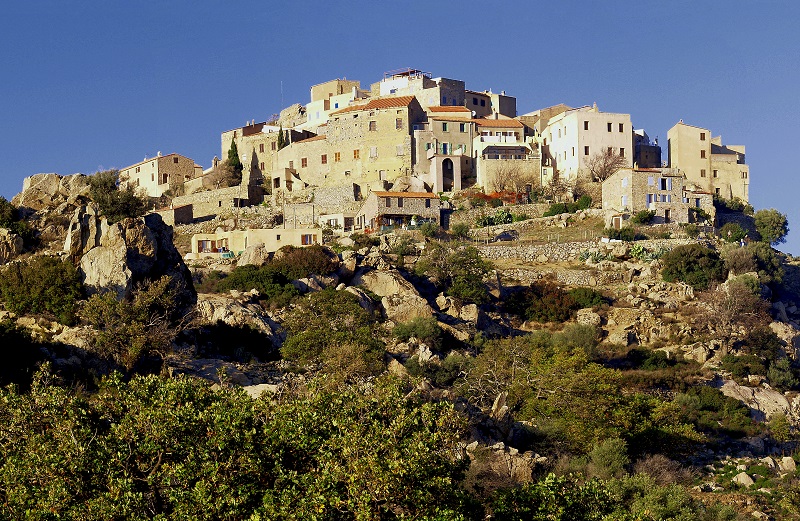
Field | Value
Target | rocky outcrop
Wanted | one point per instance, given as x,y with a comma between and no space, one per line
85,230
401,308
763,402
50,190
213,308
384,283
133,251
256,255
11,245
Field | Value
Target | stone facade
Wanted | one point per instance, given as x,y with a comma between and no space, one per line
398,208
236,241
157,175
662,190
213,202
176,214
706,162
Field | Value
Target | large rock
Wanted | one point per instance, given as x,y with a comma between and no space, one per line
11,245
404,308
743,479
212,309
255,255
763,403
384,283
133,251
49,190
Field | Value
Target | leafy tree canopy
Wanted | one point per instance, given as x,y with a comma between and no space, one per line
115,203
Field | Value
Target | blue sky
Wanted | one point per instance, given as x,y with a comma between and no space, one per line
93,84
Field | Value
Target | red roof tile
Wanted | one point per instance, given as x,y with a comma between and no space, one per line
313,138
452,108
379,103
417,195
498,123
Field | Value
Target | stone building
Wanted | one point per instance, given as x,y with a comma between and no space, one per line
486,103
157,175
365,144
504,158
236,241
331,96
662,190
646,154
395,209
714,167
574,136
443,148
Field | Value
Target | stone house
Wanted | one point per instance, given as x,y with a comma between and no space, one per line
395,209
504,159
443,148
157,175
235,242
662,190
173,215
714,167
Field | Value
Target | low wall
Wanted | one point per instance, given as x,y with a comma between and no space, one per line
564,251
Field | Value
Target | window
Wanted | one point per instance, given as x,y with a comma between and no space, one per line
716,191
665,183
138,169
278,237
474,101
427,146
336,105
649,199
715,173
483,103
624,182
291,164
444,100
337,156
399,202
462,127
398,123
702,154
373,151
609,127
261,166
621,127
373,125
586,151
621,152
444,126
356,154
744,175
702,172
559,132
624,201
702,136
610,150
445,148
388,202
152,178
324,159
261,147
427,203
650,181
573,151
401,150
175,160
303,162
347,173
273,145
585,125
307,239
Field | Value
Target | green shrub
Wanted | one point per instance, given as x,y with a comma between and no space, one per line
441,374
495,203
732,232
115,203
428,229
460,230
502,216
561,498
11,219
692,231
712,411
272,285
772,226
693,264
542,301
584,202
362,240
643,217
626,233
649,359
424,329
755,257
21,354
296,262
609,458
586,297
459,270
42,285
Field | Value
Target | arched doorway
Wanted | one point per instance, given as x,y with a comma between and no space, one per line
447,175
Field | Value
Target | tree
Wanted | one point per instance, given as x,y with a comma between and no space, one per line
509,175
42,285
282,138
234,162
772,226
693,264
603,165
126,330
115,203
459,271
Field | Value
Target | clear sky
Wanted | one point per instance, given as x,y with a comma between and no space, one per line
97,84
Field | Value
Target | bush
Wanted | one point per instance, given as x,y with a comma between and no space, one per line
21,354
542,301
441,374
272,285
609,458
755,257
296,262
501,216
115,204
362,240
714,412
11,220
424,329
237,343
732,232
458,270
626,233
428,229
692,231
460,230
42,285
693,264
643,217
586,297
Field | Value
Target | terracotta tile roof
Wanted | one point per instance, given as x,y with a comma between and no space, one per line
452,108
313,138
413,195
451,118
153,159
498,123
379,103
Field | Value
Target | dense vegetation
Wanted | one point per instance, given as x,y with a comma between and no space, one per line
115,203
42,285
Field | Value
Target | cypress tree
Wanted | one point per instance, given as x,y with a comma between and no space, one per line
233,159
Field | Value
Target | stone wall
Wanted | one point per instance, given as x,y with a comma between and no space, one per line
213,202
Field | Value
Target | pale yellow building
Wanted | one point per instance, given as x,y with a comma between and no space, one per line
157,175
234,242
706,162
504,158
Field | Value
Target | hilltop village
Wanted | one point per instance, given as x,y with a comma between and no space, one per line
362,159
403,302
